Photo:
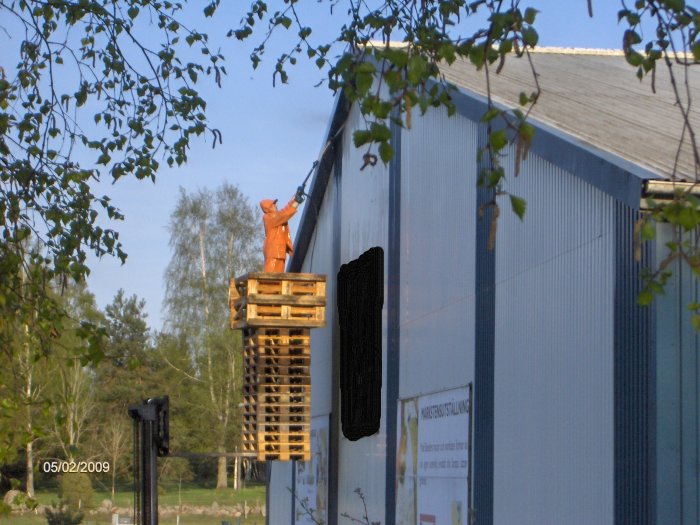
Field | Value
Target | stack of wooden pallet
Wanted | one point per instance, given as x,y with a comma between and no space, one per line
275,312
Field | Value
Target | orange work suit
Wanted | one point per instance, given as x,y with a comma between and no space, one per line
278,241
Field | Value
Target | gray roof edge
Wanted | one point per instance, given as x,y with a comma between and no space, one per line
319,182
612,174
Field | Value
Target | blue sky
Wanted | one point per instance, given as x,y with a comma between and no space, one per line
270,135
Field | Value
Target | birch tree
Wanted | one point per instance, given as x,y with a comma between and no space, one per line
71,386
214,235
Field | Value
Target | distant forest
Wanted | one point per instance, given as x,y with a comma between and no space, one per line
66,398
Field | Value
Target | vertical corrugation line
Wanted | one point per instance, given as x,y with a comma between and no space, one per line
334,431
635,387
393,351
438,228
553,396
484,359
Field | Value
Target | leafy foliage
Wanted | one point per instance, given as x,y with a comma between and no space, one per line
99,88
63,514
86,86
214,235
75,489
390,60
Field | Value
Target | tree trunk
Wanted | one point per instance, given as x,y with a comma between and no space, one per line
114,480
236,475
221,480
30,469
28,397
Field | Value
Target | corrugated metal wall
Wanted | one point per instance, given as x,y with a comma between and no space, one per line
678,397
279,496
364,198
635,452
554,391
438,196
319,259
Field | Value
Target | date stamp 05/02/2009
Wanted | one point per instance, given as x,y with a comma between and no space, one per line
64,467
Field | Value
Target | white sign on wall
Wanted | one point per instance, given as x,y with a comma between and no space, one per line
311,487
433,459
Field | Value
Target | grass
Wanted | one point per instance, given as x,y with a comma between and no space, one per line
193,496
190,496
106,520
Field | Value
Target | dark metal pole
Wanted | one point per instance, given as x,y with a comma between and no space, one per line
151,439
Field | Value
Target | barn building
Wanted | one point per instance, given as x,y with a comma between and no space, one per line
523,384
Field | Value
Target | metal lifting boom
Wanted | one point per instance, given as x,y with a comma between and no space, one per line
151,440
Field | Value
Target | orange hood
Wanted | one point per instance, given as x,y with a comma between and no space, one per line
266,205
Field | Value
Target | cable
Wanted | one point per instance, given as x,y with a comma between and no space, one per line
317,162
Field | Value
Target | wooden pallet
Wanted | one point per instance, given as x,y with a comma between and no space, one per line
276,393
278,300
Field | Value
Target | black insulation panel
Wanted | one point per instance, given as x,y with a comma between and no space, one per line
360,302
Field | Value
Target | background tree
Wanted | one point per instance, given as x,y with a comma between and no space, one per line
214,235
71,389
124,377
114,442
98,88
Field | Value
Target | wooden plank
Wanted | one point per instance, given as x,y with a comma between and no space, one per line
290,429
271,276
282,323
281,360
284,456
271,299
277,352
284,418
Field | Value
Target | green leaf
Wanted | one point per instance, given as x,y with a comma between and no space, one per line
645,297
498,140
209,10
695,321
696,51
648,231
363,83
380,132
518,204
366,67
490,115
634,59
675,5
386,152
476,55
527,132
530,14
361,137
396,56
530,36
416,69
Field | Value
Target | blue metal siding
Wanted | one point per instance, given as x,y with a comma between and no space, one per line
484,359
438,228
553,364
607,172
279,502
393,296
678,396
364,211
635,389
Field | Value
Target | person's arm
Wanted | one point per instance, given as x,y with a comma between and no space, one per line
278,218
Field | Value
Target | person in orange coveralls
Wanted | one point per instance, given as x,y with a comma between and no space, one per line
278,241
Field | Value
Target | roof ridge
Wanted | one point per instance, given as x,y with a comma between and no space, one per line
578,51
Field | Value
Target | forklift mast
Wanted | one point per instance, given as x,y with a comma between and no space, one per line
151,440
